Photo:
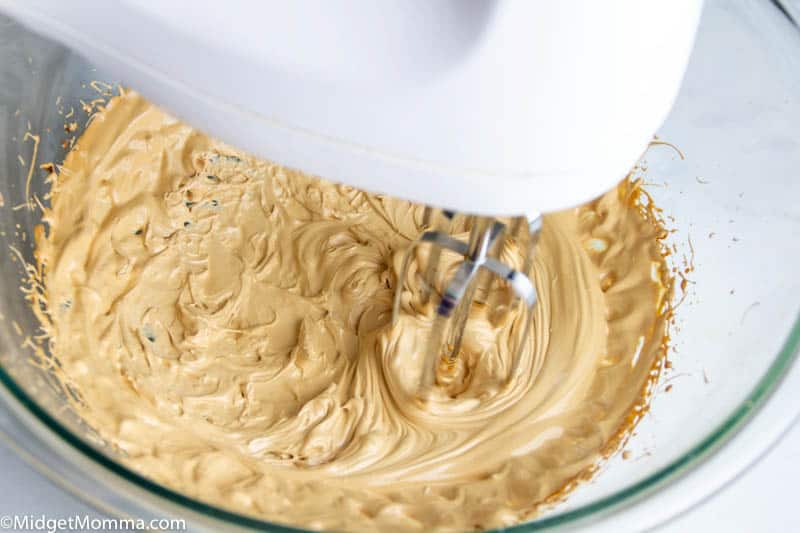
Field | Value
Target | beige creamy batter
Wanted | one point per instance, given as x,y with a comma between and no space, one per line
225,322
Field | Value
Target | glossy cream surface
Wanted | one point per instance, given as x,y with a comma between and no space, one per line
225,323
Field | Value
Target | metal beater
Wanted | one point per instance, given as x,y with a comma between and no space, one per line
456,297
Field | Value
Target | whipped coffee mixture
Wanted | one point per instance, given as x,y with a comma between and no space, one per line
226,324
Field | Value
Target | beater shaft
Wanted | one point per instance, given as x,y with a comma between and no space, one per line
458,294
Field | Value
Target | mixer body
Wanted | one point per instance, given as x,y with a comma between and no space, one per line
493,108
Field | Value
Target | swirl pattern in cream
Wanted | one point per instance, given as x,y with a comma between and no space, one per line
226,324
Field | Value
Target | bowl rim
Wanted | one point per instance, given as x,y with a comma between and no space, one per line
627,496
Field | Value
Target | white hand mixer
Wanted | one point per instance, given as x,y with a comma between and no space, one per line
493,108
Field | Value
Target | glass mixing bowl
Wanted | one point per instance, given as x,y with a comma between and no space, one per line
733,203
